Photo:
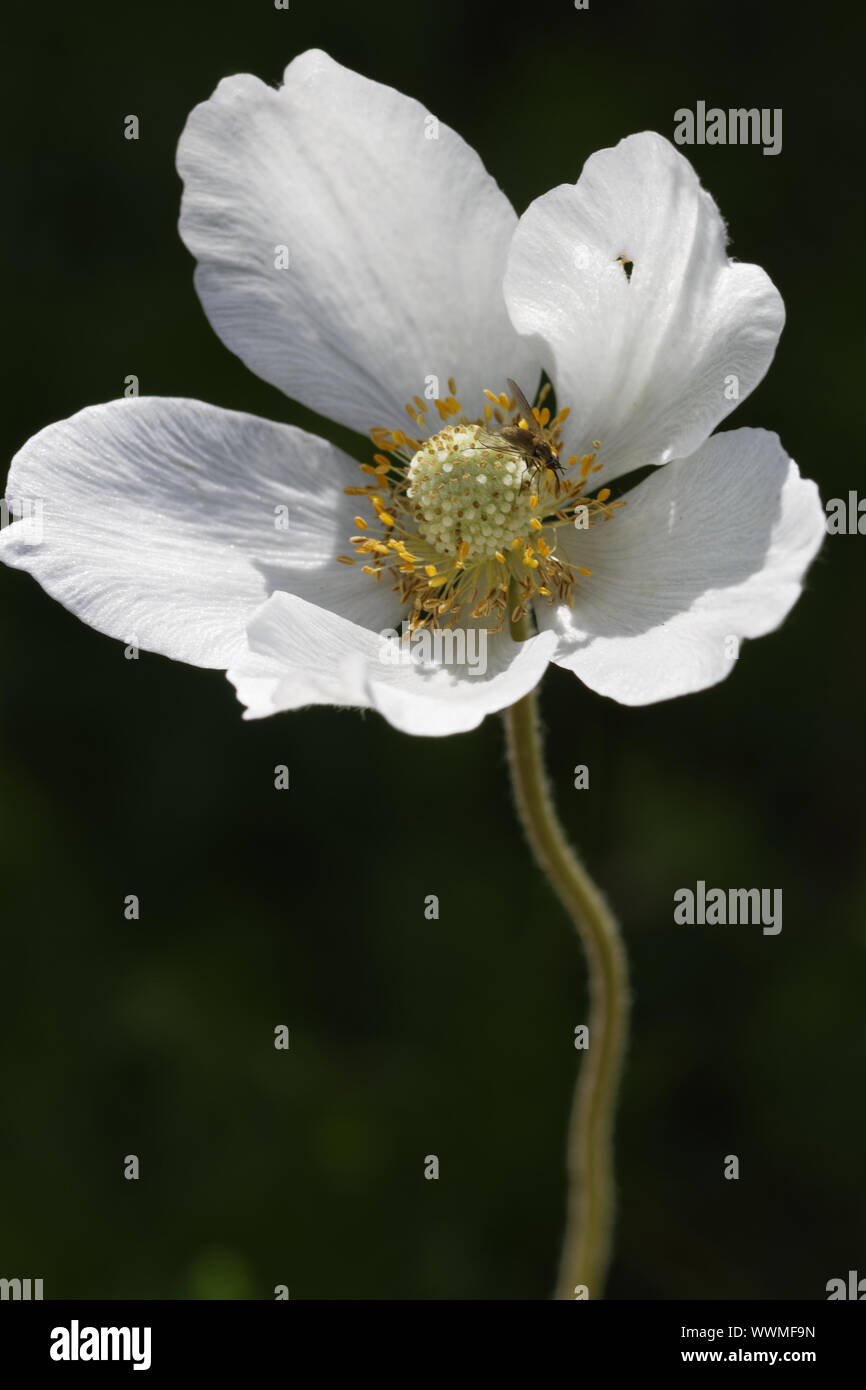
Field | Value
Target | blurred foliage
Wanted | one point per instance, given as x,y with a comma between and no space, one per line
407,1036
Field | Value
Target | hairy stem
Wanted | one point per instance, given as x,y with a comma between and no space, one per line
589,1219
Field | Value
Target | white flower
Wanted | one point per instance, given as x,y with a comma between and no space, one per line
354,253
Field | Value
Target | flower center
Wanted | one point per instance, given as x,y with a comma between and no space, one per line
464,491
466,522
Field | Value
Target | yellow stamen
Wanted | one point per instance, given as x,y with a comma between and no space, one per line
451,577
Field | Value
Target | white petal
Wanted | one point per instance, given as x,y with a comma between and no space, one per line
708,550
397,243
301,655
648,365
159,523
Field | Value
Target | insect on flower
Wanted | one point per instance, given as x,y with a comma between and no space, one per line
529,440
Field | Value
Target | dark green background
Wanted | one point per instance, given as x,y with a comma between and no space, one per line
410,1037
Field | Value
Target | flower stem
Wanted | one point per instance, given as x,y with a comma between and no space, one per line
589,1220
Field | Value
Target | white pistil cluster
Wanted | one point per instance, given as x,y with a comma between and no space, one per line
464,493
467,525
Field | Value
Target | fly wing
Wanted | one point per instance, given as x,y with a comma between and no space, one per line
495,442
528,412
